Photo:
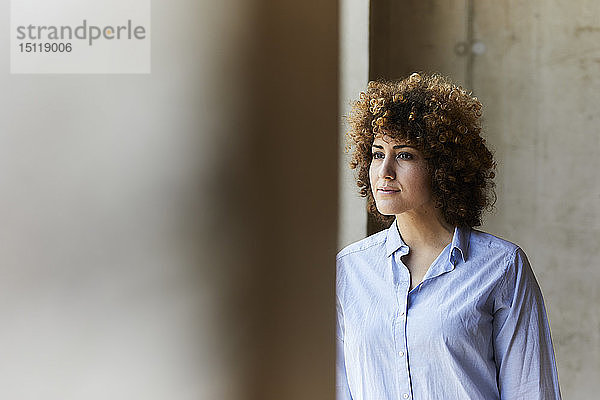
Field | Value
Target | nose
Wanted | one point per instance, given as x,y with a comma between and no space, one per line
386,170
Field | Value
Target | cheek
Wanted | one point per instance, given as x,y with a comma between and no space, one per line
419,180
372,175
423,181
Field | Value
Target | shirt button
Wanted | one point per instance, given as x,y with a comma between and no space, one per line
402,314
401,353
405,395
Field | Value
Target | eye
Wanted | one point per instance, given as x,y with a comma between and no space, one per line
404,156
378,155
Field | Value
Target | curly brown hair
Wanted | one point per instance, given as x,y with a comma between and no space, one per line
441,120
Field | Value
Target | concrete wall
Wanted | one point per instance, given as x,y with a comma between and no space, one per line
354,76
540,82
537,73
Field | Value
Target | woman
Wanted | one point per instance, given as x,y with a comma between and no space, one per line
431,308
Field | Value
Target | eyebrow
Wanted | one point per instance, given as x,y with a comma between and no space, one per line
398,146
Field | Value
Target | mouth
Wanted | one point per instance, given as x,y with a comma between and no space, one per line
387,190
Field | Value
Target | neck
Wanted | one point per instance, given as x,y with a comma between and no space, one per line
424,228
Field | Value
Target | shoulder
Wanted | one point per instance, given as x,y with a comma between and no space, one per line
363,257
360,262
495,254
507,257
491,247
486,242
369,244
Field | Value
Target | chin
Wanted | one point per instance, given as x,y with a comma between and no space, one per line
388,211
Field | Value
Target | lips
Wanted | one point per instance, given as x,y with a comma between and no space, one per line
387,190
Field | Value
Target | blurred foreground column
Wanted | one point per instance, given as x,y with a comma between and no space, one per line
288,200
172,235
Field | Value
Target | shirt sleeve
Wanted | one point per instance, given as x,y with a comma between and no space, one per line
341,385
525,364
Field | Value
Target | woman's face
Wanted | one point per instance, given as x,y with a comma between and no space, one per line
399,177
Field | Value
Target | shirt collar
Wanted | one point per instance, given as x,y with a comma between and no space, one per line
459,245
393,241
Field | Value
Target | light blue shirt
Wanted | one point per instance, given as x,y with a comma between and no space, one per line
475,328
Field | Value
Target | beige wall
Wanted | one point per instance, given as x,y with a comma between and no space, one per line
539,81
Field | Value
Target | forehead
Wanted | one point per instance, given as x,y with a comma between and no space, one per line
385,140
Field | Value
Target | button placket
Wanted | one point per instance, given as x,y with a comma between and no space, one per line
402,293
404,367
